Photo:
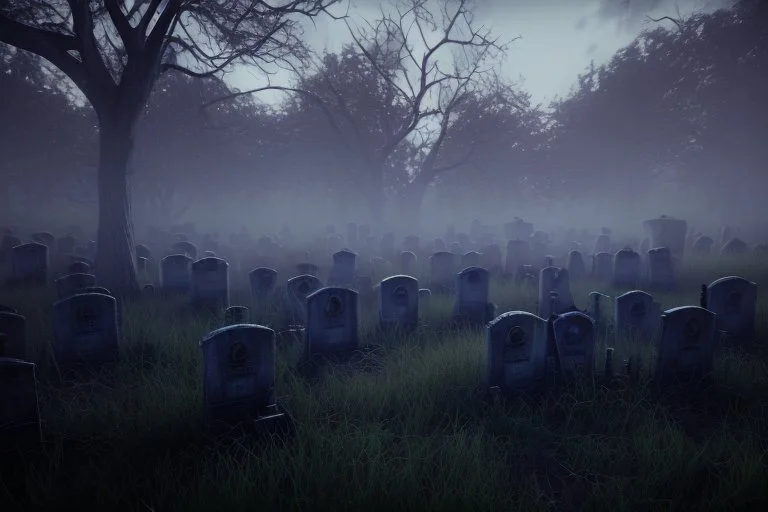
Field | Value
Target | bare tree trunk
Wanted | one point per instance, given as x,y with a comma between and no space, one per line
115,248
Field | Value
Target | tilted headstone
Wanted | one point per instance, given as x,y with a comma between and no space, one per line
29,264
554,280
399,302
85,329
19,411
210,283
176,273
575,339
575,265
626,269
734,300
332,324
14,327
68,285
471,302
661,271
238,373
687,343
263,282
602,266
635,315
517,351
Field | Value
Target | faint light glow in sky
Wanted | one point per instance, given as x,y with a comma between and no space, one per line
558,38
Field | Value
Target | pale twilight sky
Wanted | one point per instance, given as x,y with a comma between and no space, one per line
558,40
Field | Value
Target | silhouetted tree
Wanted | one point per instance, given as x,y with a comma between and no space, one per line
114,51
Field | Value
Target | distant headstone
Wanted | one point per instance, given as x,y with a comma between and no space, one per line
553,280
210,283
236,315
176,273
307,268
661,271
471,301
703,244
441,270
626,269
79,267
297,289
85,329
399,302
687,343
263,282
407,260
29,264
602,266
667,232
575,339
343,269
636,314
68,285
517,351
734,247
45,238
575,265
734,300
332,324
603,243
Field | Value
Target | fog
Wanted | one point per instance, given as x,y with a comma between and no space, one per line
269,161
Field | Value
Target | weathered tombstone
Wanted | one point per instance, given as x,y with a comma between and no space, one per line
471,301
517,351
343,269
686,348
602,266
734,300
518,253
263,281
575,265
176,273
236,315
14,327
29,264
19,412
331,321
626,269
407,260
635,315
441,271
425,297
68,285
297,289
661,271
596,309
399,302
734,247
307,268
239,374
85,329
553,280
667,232
575,338
210,283
703,244
79,267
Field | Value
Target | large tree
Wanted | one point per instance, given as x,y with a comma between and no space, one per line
114,51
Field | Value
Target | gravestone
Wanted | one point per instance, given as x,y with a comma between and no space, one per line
45,238
425,298
602,244
686,348
85,329
399,302
703,245
407,261
441,271
457,249
343,269
331,321
238,374
626,269
602,266
667,232
29,264
661,272
470,259
236,315
79,267
575,265
19,411
14,328
142,251
68,285
297,289
635,314
734,247
471,301
597,308
734,300
263,281
554,280
176,273
141,264
517,351
575,338
210,283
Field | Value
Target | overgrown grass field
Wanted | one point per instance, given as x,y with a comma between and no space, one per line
408,431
